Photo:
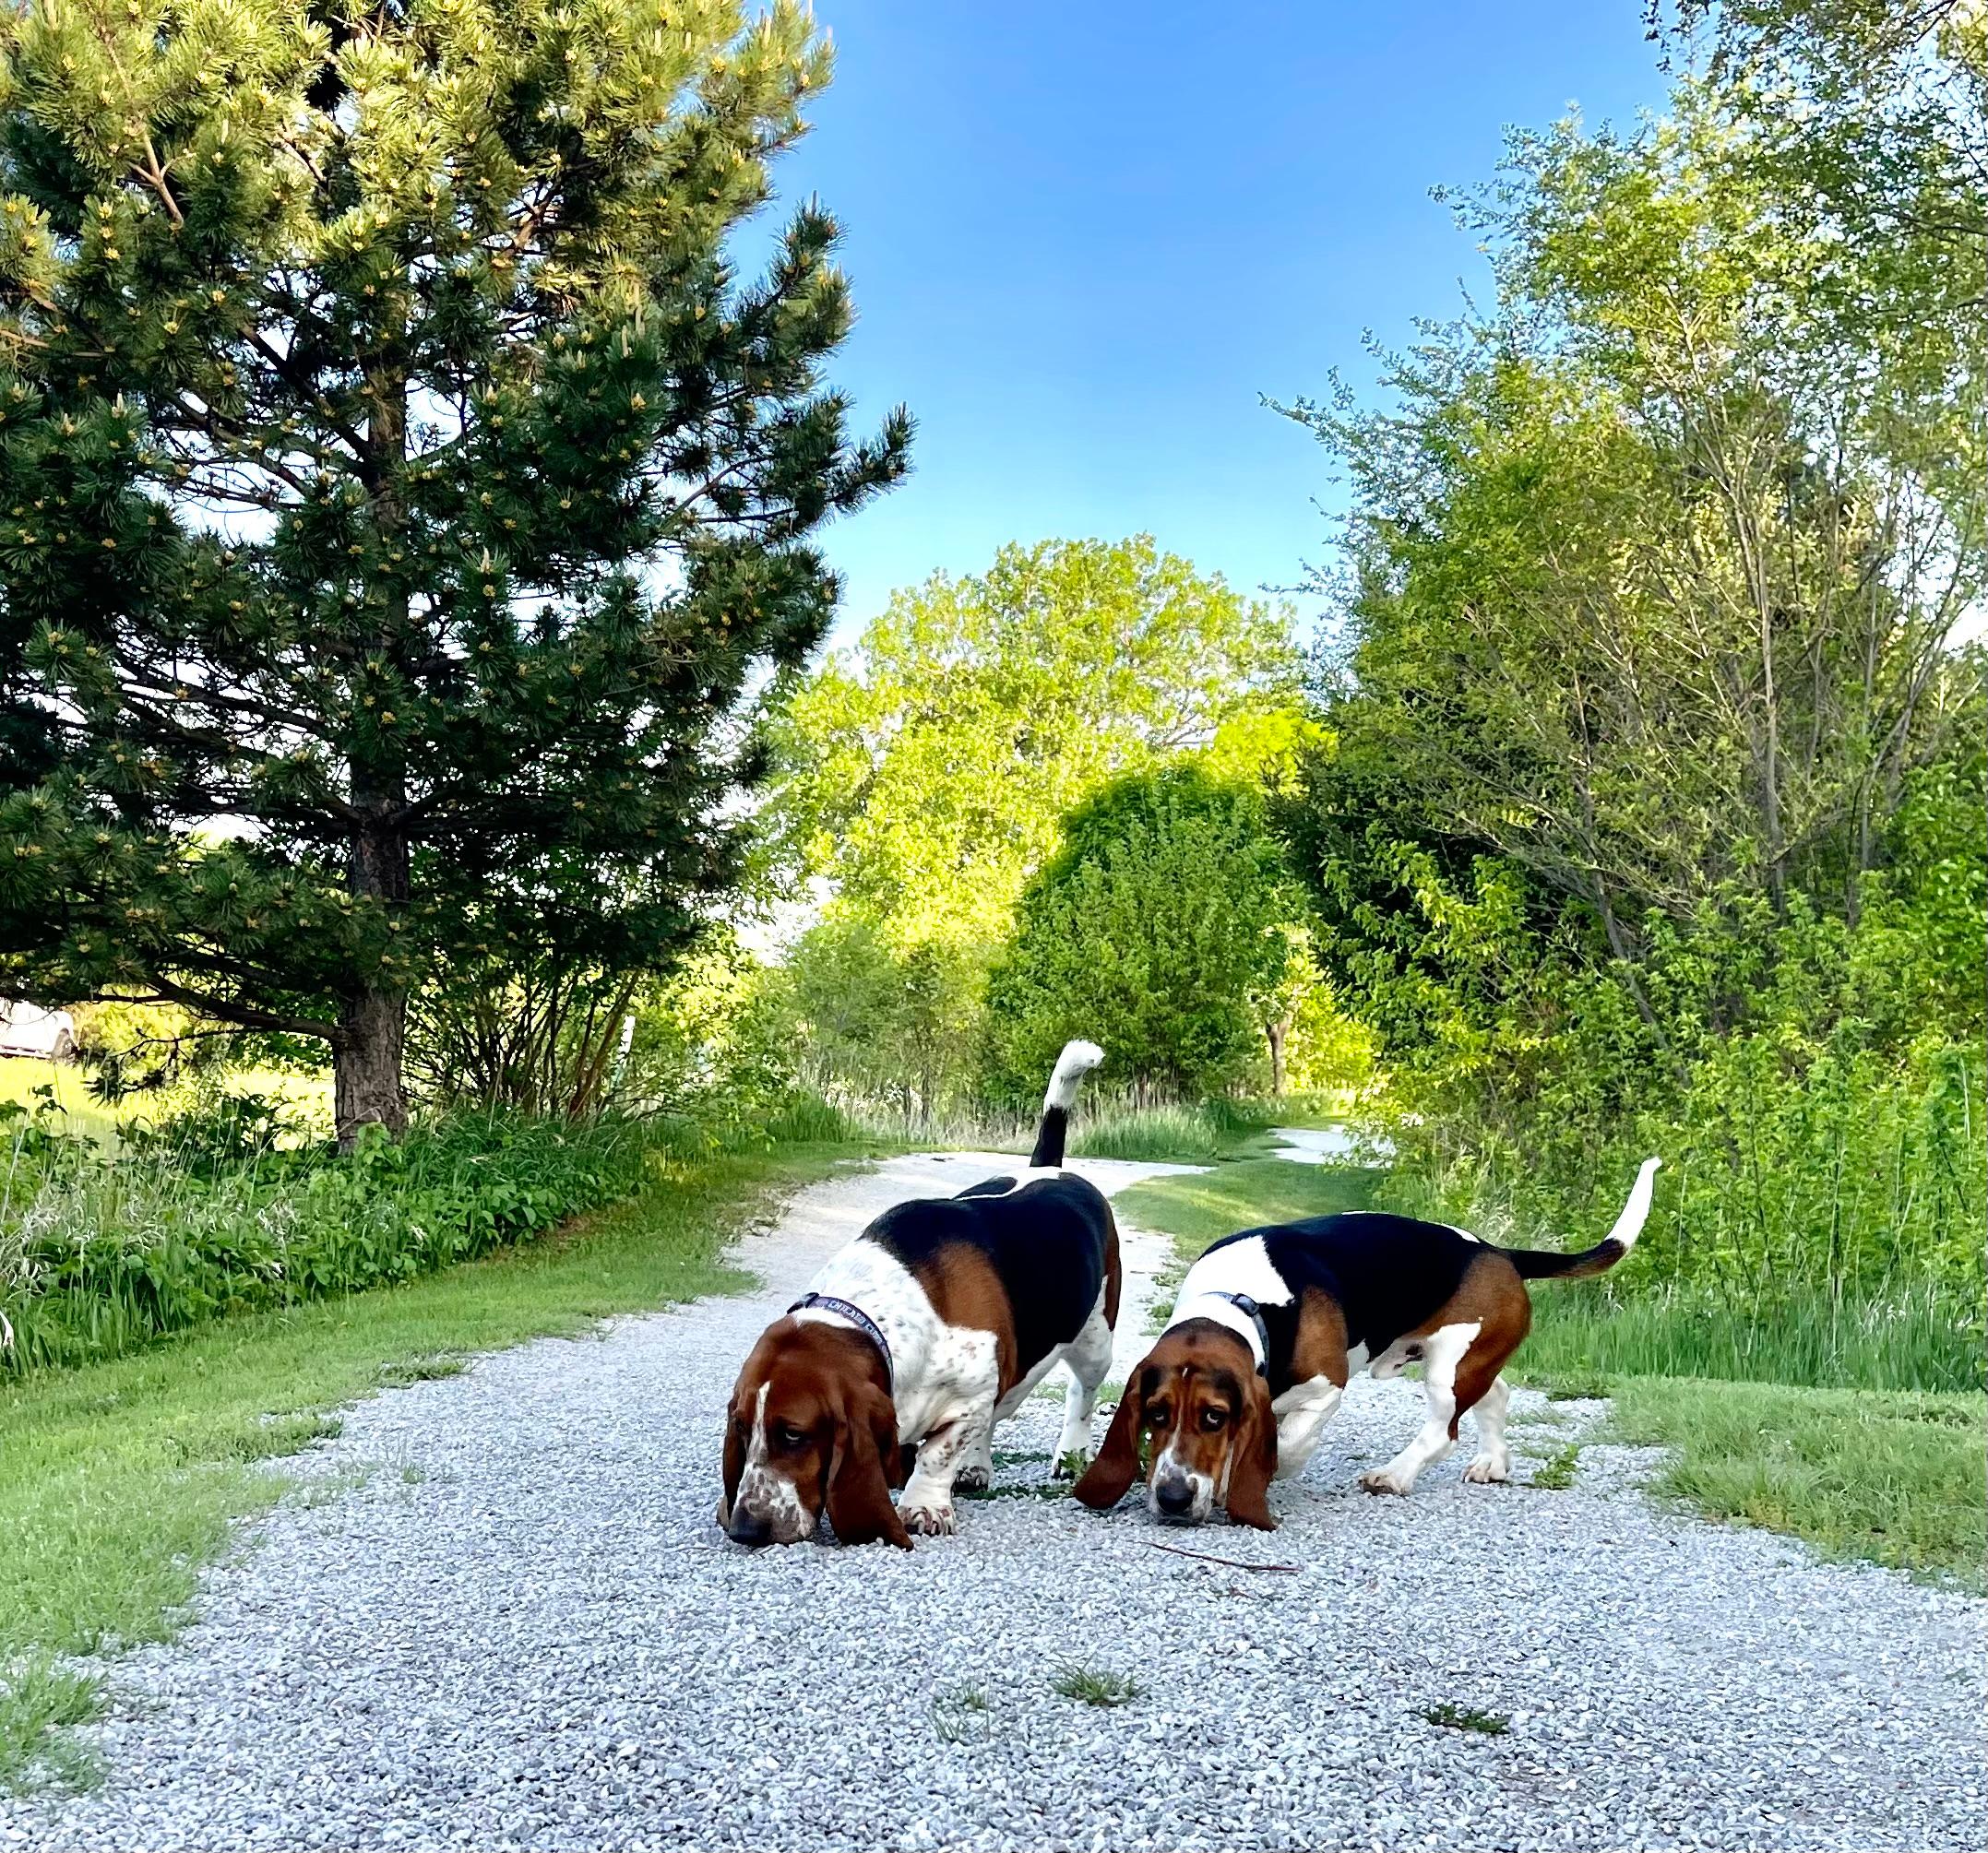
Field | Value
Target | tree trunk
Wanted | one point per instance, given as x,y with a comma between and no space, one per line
368,1050
1274,1034
365,1064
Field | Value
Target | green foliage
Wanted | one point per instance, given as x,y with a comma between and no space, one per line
1168,923
926,769
1647,813
99,1257
924,774
879,1021
393,460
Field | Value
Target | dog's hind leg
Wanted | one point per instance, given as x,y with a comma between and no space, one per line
1442,1351
1494,1459
1089,1362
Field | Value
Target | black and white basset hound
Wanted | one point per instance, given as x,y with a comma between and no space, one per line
929,1328
1270,1323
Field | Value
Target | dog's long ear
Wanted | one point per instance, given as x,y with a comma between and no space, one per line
859,1480
735,1465
1117,1464
1253,1459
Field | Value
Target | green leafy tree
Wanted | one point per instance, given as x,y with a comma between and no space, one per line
926,768
1651,593
398,490
1168,925
1636,819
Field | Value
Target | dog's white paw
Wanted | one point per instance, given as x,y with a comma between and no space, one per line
1488,1470
929,1521
1070,1464
1382,1481
972,1480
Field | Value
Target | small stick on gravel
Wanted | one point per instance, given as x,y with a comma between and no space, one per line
1233,1562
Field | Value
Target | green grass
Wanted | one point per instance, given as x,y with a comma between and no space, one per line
1178,1136
1893,1477
1468,1717
1092,1687
1198,1209
306,1097
960,1714
1906,1340
22,1077
118,1480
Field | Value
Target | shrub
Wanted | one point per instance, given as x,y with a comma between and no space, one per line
98,1255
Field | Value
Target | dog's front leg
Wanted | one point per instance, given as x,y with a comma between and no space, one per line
1088,1361
1301,1413
976,1469
927,1503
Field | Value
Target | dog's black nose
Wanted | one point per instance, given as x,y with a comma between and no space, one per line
1174,1497
749,1528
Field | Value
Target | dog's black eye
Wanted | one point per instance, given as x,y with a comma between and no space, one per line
1213,1419
1158,1416
788,1435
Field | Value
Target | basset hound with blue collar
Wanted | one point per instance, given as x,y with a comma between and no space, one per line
1270,1323
929,1328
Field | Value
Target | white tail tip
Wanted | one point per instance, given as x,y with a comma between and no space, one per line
1635,1212
1076,1061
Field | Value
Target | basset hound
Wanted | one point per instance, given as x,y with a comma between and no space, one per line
929,1328
1270,1323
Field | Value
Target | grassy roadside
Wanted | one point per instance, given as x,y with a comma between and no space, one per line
1895,1476
119,1480
1198,1208
1892,1475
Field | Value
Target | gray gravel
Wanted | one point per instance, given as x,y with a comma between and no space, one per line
518,1626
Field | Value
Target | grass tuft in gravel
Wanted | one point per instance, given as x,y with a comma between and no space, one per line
1091,1686
962,1714
1468,1717
1555,1473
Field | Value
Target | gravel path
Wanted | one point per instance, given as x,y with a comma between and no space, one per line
521,1628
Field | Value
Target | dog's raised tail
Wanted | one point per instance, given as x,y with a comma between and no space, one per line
1537,1264
1076,1061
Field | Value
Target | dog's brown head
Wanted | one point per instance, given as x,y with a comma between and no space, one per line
1214,1437
811,1429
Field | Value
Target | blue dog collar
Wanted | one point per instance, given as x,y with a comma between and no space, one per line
857,1317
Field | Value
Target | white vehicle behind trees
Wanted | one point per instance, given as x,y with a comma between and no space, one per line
27,1030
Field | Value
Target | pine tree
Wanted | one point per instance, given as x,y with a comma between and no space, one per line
400,490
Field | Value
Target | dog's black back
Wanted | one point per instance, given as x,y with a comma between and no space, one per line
1044,1238
1389,1274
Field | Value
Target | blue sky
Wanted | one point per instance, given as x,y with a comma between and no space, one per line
1084,238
